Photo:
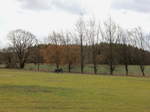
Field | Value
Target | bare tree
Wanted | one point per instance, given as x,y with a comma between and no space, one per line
71,50
80,27
36,56
21,41
139,42
124,49
55,48
92,35
110,36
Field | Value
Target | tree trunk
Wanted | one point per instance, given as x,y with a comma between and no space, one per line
94,60
82,56
69,67
22,64
111,63
95,68
38,67
111,69
142,70
111,57
57,66
126,68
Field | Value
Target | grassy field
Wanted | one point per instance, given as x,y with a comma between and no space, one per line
102,69
22,91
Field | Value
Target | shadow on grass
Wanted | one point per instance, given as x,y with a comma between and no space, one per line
38,90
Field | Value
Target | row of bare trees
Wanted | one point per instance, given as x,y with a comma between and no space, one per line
88,37
90,43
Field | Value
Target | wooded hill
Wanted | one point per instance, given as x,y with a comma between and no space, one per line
69,55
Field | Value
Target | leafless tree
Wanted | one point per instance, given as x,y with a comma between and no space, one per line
21,41
55,39
71,51
109,33
36,56
93,38
124,49
139,42
80,28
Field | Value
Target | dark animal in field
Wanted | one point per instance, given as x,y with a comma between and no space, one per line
58,70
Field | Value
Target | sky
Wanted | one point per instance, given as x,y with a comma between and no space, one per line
40,17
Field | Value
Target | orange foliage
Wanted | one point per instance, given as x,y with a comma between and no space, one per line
61,54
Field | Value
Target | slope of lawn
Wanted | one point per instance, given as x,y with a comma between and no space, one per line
22,91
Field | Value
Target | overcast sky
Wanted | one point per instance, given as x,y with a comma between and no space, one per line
42,16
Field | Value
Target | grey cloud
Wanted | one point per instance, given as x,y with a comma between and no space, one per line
135,5
35,4
71,6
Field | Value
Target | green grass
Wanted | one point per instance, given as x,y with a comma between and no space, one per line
22,91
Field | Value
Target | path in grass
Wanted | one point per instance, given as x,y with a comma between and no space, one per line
43,92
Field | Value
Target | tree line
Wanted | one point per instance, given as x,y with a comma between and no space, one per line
89,43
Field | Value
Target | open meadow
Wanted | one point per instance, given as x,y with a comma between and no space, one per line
24,91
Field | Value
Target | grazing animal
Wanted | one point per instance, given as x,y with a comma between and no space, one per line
59,70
